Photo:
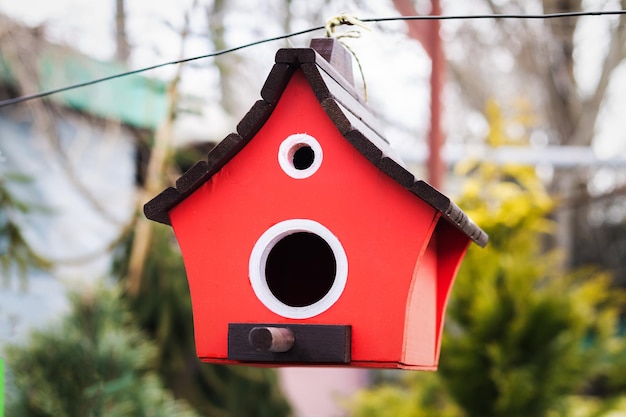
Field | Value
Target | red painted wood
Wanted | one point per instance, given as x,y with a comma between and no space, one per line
421,309
451,248
382,227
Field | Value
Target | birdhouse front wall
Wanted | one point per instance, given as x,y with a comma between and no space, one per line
383,230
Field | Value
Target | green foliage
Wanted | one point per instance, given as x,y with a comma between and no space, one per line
15,251
522,337
1,387
163,308
96,362
414,395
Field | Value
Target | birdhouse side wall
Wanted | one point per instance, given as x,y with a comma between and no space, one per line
452,245
420,339
430,290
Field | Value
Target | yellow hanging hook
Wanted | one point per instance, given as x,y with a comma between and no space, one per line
342,19
345,19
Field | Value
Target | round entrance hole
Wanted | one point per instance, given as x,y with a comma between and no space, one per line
303,157
300,269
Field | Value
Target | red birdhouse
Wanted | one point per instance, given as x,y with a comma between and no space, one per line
305,240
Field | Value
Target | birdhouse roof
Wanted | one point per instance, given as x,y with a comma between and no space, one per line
343,105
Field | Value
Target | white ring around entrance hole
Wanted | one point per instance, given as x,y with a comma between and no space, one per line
258,261
288,149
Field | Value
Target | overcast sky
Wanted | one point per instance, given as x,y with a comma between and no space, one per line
88,26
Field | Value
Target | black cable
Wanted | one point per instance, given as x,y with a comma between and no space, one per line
42,94
498,16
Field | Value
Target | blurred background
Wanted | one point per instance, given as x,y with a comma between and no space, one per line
521,121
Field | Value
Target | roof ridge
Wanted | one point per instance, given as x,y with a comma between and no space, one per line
348,112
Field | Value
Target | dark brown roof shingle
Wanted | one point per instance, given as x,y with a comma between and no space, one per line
343,106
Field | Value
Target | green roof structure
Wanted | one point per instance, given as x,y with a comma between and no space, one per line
134,100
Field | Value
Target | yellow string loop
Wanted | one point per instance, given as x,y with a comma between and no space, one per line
345,19
340,20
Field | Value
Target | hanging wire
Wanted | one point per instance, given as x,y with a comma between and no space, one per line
345,20
47,93
498,16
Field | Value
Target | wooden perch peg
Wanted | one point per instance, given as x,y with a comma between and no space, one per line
271,339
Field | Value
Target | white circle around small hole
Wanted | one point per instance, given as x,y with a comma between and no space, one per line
300,155
258,262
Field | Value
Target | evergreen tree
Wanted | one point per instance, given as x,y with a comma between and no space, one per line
96,362
522,337
15,251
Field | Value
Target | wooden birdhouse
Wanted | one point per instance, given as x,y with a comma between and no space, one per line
305,240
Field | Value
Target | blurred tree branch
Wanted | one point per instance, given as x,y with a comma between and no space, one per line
225,64
544,59
154,176
14,40
122,48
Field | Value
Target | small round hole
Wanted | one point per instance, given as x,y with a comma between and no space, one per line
300,155
303,157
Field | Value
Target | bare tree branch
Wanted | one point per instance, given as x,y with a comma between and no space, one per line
24,68
417,30
154,175
591,107
122,48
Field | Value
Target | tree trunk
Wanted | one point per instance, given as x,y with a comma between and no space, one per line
226,64
427,33
122,48
154,177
